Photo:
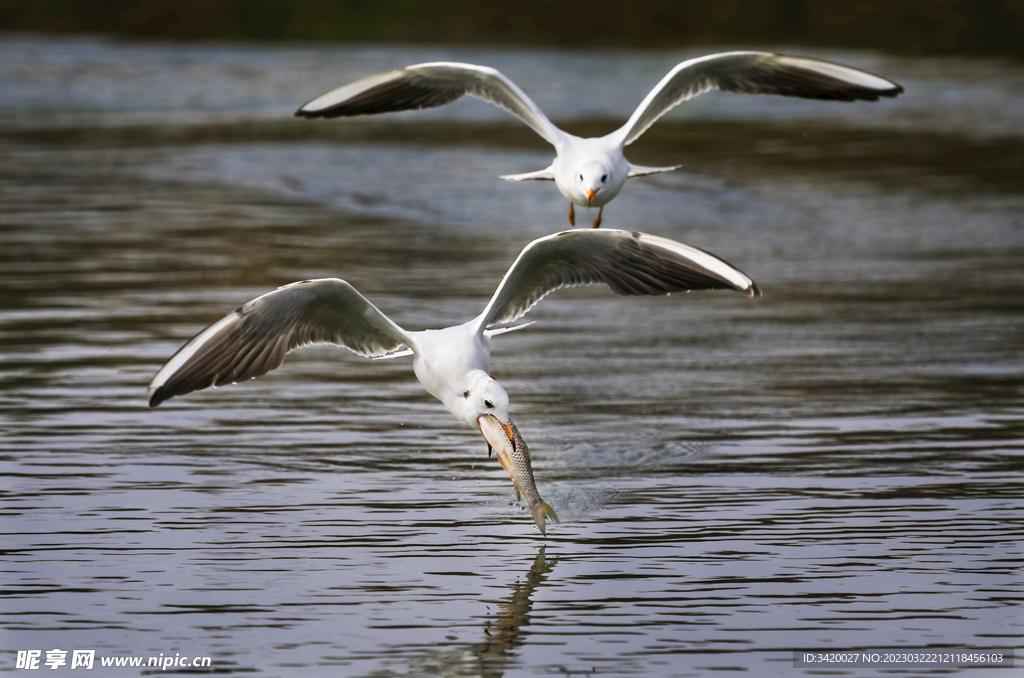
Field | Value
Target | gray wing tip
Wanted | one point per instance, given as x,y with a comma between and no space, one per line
336,111
159,395
875,94
332,112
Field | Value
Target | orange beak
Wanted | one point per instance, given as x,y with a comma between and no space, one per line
591,194
508,431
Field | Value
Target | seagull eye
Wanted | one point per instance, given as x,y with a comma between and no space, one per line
489,404
604,177
466,394
581,177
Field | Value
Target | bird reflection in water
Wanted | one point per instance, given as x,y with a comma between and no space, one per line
504,632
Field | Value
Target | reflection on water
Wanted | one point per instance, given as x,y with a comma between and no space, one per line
834,466
505,629
504,632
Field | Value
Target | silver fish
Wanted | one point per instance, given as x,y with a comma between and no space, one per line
514,456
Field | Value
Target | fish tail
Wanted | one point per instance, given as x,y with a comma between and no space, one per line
542,510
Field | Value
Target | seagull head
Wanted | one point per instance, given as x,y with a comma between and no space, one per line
481,396
593,176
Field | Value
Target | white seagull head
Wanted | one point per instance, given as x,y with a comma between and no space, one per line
593,176
480,396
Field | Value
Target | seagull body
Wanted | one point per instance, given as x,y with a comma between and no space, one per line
459,350
453,363
590,172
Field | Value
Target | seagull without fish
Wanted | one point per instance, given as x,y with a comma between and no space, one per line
590,172
454,363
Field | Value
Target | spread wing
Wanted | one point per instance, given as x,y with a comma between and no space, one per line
629,263
754,73
428,86
254,339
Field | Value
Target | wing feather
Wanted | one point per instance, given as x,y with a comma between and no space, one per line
428,86
754,73
254,339
631,264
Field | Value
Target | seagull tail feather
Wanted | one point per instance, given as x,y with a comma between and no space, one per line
641,171
546,174
502,330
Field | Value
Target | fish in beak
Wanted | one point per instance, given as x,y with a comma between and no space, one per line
506,427
514,457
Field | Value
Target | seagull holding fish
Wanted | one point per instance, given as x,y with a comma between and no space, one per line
454,363
590,172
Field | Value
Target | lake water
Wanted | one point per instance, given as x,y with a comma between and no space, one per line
833,467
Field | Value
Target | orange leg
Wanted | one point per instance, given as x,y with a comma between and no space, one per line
597,222
572,215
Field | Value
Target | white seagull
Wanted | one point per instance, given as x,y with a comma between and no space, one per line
454,363
590,172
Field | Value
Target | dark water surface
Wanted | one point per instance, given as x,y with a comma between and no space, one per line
834,466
